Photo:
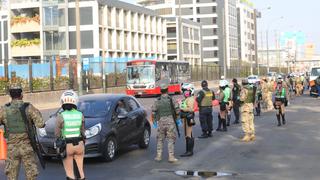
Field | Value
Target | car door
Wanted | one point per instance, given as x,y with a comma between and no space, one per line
121,125
135,117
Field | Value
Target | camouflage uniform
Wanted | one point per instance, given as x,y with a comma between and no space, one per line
270,85
19,147
247,116
264,90
166,126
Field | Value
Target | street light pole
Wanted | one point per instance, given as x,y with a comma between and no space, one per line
267,38
78,39
181,33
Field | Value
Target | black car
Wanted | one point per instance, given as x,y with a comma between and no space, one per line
111,122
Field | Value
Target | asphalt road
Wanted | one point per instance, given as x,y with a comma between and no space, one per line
285,153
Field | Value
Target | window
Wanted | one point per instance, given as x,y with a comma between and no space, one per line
198,10
133,105
86,40
86,17
215,54
51,16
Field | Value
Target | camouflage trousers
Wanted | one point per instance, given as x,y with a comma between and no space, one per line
166,130
269,101
18,153
247,119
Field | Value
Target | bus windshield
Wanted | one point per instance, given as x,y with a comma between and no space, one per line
315,71
141,74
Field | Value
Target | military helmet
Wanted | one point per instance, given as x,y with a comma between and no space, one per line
15,86
204,83
163,86
245,82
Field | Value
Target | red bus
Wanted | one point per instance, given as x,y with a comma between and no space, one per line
145,76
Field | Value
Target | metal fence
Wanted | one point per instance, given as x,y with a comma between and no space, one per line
58,74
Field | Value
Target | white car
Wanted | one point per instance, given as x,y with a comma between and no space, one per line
252,79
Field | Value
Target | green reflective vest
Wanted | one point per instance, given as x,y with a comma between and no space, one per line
183,104
163,107
207,99
227,94
250,96
281,94
15,122
72,124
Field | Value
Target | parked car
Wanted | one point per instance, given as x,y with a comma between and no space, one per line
252,79
111,122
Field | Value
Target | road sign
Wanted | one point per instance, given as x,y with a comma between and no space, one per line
85,62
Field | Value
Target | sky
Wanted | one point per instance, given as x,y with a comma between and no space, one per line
297,15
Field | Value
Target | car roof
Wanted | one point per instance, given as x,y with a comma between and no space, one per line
110,97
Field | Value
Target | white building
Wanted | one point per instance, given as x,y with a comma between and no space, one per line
247,31
191,39
201,11
4,42
113,28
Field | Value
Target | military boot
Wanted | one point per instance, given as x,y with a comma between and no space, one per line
159,156
219,124
172,159
228,119
70,178
278,118
246,138
224,124
252,137
283,119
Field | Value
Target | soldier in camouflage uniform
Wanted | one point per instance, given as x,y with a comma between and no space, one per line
19,147
270,86
264,91
162,110
247,96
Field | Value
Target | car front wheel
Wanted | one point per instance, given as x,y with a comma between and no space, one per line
110,149
145,139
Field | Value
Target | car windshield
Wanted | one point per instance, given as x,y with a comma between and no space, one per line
315,72
94,108
141,74
252,77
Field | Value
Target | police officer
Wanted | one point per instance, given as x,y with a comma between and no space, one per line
236,100
70,127
187,114
280,101
204,100
247,98
224,97
19,144
163,109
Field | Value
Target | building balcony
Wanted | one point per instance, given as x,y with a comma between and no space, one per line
29,26
23,51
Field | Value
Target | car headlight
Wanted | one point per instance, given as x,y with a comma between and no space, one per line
42,132
151,86
93,131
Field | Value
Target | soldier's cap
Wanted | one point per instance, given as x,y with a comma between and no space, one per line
163,86
15,86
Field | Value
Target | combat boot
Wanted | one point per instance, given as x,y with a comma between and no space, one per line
172,159
159,156
228,119
252,137
70,178
283,119
278,118
224,124
246,138
219,124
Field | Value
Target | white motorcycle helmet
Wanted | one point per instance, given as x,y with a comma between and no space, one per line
223,83
69,97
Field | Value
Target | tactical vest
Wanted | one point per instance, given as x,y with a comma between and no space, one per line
207,99
15,122
250,96
281,94
164,107
72,124
227,94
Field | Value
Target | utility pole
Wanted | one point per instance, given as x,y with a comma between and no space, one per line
103,51
262,54
78,39
181,34
267,38
225,44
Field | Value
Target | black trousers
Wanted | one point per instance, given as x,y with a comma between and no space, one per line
206,118
236,110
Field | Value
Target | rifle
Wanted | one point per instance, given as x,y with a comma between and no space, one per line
174,115
32,134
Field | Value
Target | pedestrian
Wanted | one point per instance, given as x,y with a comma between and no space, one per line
236,100
224,98
164,112
247,98
187,115
264,90
299,86
70,128
280,101
271,84
204,100
19,118
258,98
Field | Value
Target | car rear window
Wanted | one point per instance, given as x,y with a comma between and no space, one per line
94,108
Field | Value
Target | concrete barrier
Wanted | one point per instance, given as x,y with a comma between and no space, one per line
51,99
